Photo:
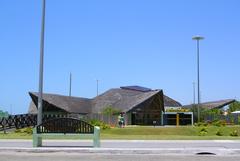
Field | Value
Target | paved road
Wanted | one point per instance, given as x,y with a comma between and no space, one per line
104,157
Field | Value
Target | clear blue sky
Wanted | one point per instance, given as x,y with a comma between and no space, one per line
119,42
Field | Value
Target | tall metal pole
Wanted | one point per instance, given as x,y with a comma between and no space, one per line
70,85
194,93
97,86
40,89
198,80
197,38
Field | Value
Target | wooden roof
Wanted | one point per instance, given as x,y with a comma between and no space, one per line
123,99
214,104
169,102
66,103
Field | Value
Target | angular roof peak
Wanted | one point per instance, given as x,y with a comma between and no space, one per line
66,103
136,88
214,104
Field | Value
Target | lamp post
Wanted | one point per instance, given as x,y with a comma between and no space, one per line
40,89
198,38
194,93
97,85
70,85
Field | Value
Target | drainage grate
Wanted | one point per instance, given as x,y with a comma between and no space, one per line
205,153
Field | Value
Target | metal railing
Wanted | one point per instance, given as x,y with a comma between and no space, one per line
65,125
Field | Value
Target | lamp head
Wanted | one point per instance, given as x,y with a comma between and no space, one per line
197,38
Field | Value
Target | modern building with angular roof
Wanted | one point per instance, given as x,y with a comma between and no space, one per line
141,105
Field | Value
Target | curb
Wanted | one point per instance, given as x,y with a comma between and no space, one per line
126,151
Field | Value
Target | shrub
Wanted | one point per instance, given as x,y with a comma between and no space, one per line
219,132
223,122
234,133
219,123
203,131
99,123
109,110
201,124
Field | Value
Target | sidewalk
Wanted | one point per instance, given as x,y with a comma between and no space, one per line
160,147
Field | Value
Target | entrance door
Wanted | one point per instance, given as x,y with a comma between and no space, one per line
133,118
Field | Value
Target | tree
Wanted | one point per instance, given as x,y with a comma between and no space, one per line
235,106
109,110
194,109
3,114
204,112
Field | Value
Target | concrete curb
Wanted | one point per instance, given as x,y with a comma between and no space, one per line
126,151
131,141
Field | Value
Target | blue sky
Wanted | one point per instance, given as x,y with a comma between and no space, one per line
120,42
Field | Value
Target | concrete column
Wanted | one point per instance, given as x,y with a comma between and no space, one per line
37,140
96,137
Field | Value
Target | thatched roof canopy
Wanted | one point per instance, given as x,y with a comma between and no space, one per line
214,104
123,99
169,102
65,103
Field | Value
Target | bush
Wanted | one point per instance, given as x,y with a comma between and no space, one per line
219,132
99,123
109,110
201,124
234,133
203,131
219,123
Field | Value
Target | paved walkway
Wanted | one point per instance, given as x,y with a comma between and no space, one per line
229,144
164,147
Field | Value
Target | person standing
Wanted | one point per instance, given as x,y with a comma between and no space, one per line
121,120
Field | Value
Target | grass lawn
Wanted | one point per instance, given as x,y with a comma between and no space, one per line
169,133
151,133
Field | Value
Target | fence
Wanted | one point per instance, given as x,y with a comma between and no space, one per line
230,119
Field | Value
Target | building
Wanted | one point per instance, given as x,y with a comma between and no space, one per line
141,105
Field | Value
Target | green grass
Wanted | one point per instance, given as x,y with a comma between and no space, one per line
151,133
12,135
169,133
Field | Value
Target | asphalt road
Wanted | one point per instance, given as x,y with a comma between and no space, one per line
107,157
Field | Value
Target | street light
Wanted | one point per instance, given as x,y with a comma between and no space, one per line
194,93
70,85
97,85
40,89
198,38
